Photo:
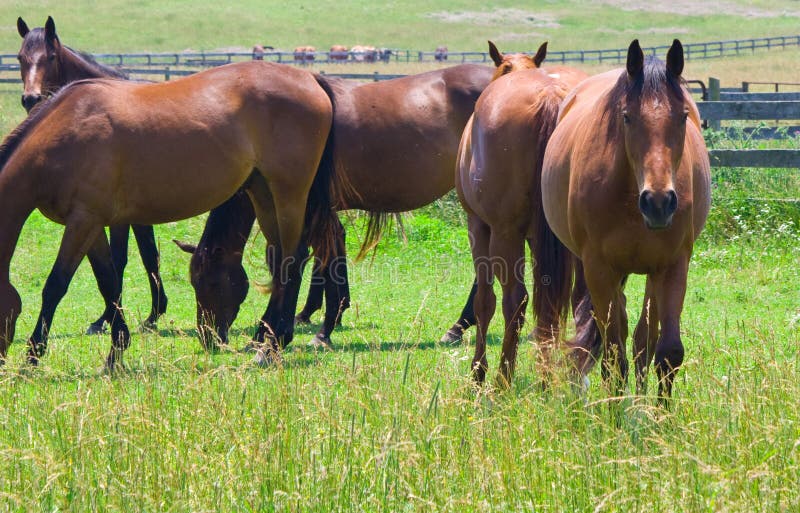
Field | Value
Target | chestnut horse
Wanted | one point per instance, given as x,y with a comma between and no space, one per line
626,188
46,66
393,144
104,152
498,180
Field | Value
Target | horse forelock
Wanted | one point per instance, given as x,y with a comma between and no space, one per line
654,83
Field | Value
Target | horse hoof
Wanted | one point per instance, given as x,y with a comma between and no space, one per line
251,347
96,329
148,326
302,319
267,356
320,342
451,337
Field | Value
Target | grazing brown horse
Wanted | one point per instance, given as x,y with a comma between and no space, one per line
104,152
394,144
46,66
626,188
498,180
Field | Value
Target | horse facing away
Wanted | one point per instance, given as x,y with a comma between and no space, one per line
46,66
626,188
393,144
104,152
498,180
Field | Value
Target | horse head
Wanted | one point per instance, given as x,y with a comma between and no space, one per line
506,63
654,109
39,62
220,285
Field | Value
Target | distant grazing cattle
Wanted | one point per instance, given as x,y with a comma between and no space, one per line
441,53
258,52
338,53
304,54
362,53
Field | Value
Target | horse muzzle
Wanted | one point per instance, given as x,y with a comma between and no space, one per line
658,208
29,100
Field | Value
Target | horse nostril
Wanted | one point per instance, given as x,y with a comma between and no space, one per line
29,100
645,202
671,202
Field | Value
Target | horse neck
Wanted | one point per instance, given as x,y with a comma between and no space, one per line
230,224
74,67
16,204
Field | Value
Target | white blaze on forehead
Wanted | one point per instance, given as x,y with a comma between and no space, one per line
554,75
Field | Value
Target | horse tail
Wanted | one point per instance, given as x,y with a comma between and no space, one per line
327,194
587,344
554,263
377,223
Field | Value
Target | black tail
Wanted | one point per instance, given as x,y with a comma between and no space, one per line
553,269
327,194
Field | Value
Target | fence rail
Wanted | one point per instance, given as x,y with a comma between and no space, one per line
616,55
726,105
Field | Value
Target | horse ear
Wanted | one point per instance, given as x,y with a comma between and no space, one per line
185,246
22,27
497,57
675,59
635,63
50,36
538,59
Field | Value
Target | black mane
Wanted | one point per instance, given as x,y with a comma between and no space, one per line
106,71
36,37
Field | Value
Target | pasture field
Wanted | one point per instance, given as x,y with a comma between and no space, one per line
388,420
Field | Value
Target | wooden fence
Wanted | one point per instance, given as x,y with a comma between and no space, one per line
612,56
727,105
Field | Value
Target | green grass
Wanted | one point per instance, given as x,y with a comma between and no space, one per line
120,25
389,419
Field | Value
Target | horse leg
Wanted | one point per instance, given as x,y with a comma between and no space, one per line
645,337
110,287
280,216
146,240
337,292
465,320
670,289
485,299
508,257
119,256
605,287
79,235
316,290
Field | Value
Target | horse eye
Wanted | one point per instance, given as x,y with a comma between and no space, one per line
626,118
51,57
685,116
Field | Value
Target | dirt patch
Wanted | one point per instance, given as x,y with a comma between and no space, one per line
694,8
651,30
497,17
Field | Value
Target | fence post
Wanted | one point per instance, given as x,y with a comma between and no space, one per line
166,74
713,95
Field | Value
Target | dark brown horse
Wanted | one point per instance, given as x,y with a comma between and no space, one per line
104,152
498,180
46,66
395,144
626,188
